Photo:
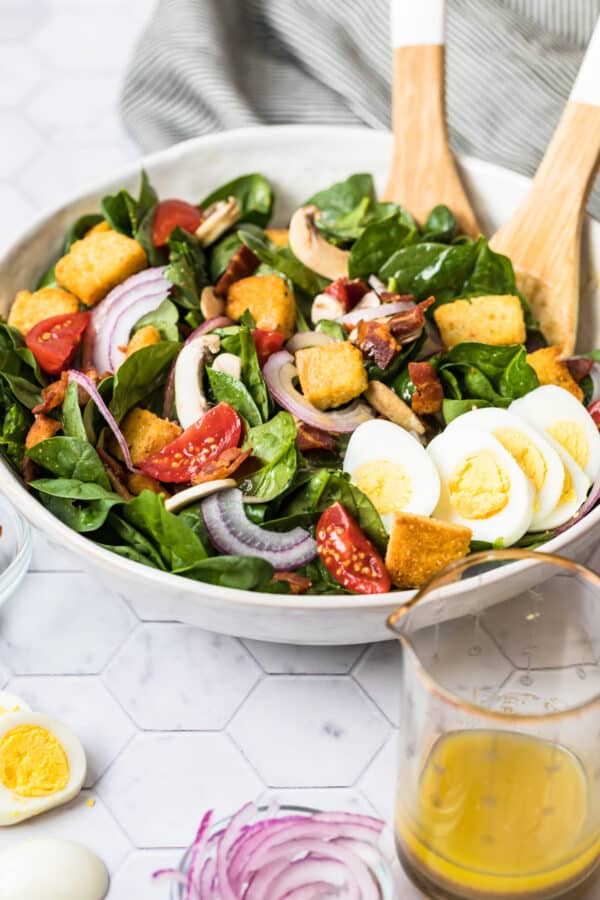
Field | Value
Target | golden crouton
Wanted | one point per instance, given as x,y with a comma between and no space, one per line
138,483
279,236
331,374
496,319
96,264
101,226
552,370
420,547
145,434
145,337
268,299
28,309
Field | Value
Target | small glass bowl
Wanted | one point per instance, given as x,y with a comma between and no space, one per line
15,549
385,879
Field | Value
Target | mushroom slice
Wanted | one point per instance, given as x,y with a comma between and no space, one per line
392,407
326,307
190,401
217,219
229,364
197,492
211,306
312,249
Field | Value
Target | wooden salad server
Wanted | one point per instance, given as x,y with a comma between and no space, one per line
423,172
543,237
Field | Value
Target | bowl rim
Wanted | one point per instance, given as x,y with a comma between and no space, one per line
39,516
12,575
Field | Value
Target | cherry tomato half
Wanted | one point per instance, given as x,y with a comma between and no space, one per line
55,341
348,555
170,214
202,442
266,343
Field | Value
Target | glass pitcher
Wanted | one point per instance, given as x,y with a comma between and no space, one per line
499,752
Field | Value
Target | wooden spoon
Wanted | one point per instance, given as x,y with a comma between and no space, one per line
543,237
423,172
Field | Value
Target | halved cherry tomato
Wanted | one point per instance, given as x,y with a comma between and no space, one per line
172,213
54,341
205,440
267,342
348,555
594,411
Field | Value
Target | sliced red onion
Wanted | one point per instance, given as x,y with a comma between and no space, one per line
93,392
377,284
376,312
279,372
304,339
233,534
210,325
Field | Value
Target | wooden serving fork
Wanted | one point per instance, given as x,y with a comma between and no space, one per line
423,172
543,237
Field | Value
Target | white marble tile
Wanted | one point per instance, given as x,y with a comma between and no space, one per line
24,143
287,659
85,101
378,782
321,732
86,820
4,675
148,609
331,799
19,75
84,704
21,18
133,879
47,556
171,677
161,784
62,624
80,41
380,674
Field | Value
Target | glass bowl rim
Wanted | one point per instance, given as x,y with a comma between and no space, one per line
12,575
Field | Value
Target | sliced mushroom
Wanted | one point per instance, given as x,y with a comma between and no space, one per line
228,363
197,492
190,401
217,219
326,307
312,249
388,404
211,306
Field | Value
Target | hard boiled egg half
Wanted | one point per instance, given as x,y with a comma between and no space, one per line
42,765
391,467
482,486
51,869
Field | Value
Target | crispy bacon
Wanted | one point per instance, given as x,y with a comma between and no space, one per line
223,467
579,368
30,470
347,291
54,393
411,321
138,483
299,584
429,394
116,474
389,297
43,427
311,438
242,264
376,341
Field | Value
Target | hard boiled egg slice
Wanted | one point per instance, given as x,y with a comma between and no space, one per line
51,869
42,765
391,467
575,488
538,459
556,412
10,703
482,487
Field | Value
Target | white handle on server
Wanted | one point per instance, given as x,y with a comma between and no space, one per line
417,22
587,86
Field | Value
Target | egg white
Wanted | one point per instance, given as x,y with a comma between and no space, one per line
10,703
379,441
549,404
454,446
580,483
491,420
13,807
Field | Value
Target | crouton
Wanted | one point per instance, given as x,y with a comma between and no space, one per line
96,264
420,547
138,483
43,427
279,236
331,374
145,434
28,309
145,337
552,370
496,319
268,299
101,226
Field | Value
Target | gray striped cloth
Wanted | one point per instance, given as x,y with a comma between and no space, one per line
205,65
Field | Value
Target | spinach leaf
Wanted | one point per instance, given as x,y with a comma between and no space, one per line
452,409
274,443
333,329
221,254
227,389
24,390
246,573
428,268
136,540
164,318
192,516
74,489
253,194
178,546
129,552
140,376
48,279
82,518
441,226
519,378
16,358
377,244
80,227
16,424
251,372
283,261
72,458
492,273
342,198
496,375
187,268
322,581
71,414
134,217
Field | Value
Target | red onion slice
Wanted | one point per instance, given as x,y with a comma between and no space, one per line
376,312
197,856
210,325
93,392
279,372
233,534
304,339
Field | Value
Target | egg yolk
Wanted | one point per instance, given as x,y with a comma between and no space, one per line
33,762
479,487
529,457
387,485
571,436
568,494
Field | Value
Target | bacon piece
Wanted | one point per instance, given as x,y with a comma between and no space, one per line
389,297
30,470
116,474
376,341
311,438
429,394
223,466
347,291
299,584
579,368
242,264
52,395
43,427
138,483
411,321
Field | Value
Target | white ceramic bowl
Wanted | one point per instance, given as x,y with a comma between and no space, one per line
298,160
